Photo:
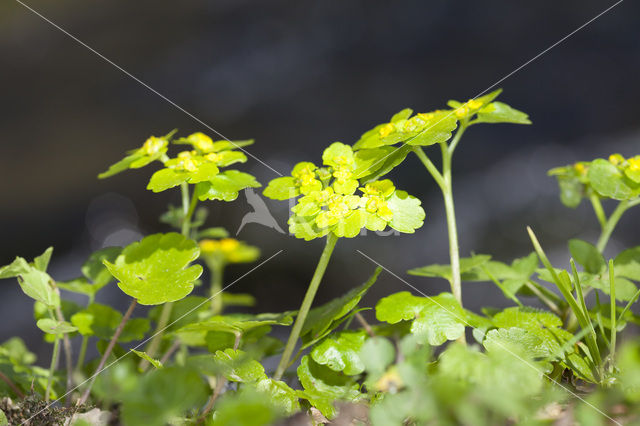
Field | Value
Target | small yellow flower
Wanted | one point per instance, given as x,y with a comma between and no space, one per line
342,174
389,382
213,157
634,163
616,159
580,168
229,244
474,103
386,130
209,246
462,111
201,142
153,145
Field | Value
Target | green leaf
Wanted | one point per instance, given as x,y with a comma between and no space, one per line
407,213
94,268
163,394
444,271
587,255
610,182
320,319
184,311
282,188
156,363
3,419
155,270
167,178
377,354
571,191
42,262
225,186
437,129
36,285
340,352
102,321
238,367
217,232
435,319
280,394
323,386
337,150
80,286
389,157
248,407
15,268
125,164
238,323
52,326
498,112
523,340
627,264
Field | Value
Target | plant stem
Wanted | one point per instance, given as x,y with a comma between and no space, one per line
220,382
83,353
431,168
610,225
597,208
217,271
12,385
67,351
306,305
363,322
614,327
167,355
187,209
107,352
52,368
547,297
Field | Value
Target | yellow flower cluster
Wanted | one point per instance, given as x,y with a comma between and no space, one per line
225,245
470,106
153,145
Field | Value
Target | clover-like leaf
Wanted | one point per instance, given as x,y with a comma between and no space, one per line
155,270
321,318
434,319
340,352
225,186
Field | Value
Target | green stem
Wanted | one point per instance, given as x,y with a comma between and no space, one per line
598,210
107,351
187,209
217,271
610,225
306,305
612,296
431,168
552,300
52,368
83,353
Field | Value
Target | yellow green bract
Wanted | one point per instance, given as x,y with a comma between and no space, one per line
229,250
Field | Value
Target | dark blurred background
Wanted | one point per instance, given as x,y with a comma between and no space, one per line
297,76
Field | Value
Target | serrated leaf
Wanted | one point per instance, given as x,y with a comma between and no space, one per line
321,318
225,186
167,178
52,326
323,386
155,270
282,188
408,215
434,319
340,352
508,338
156,363
238,367
587,255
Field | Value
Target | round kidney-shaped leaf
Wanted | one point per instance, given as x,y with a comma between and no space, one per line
155,270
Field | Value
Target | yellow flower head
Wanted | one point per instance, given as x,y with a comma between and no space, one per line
208,246
616,159
634,163
213,157
342,174
386,130
201,142
580,168
474,103
153,145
